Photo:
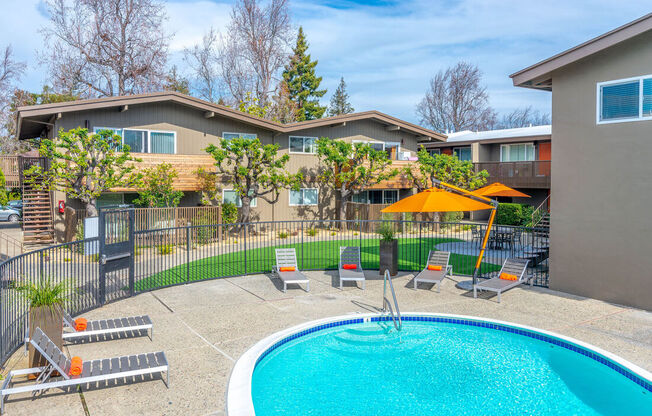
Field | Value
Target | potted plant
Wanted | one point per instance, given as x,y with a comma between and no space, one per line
46,300
388,249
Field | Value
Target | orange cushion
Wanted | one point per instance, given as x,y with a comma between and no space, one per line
76,366
507,276
434,267
81,324
349,266
286,269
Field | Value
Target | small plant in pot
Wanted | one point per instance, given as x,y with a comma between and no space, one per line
388,249
46,300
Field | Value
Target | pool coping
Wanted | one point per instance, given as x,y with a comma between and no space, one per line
238,394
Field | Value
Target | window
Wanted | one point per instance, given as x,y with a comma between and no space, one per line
136,140
434,152
519,152
300,144
376,196
392,150
304,196
162,142
114,130
229,195
463,153
624,100
229,136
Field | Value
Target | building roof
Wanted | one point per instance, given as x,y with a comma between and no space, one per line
498,136
539,75
32,119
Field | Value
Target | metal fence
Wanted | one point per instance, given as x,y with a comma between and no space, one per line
180,255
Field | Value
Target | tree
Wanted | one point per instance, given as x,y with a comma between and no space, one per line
283,109
351,168
255,47
208,186
156,187
302,83
340,101
9,143
203,60
10,72
176,82
456,100
84,165
254,170
4,197
523,117
445,168
106,47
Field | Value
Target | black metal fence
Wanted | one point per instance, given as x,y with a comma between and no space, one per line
180,255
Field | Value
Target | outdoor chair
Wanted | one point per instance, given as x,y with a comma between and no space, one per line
350,257
512,274
436,259
476,234
126,367
107,326
287,269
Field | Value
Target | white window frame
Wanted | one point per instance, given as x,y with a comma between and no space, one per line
598,99
113,129
534,151
135,129
239,134
302,205
304,145
254,201
149,140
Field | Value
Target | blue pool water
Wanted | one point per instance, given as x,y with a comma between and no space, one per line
433,368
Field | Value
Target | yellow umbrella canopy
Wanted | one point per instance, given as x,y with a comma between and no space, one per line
498,189
436,200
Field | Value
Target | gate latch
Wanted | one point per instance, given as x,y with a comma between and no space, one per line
104,258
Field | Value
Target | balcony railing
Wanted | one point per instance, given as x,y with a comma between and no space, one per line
533,174
11,170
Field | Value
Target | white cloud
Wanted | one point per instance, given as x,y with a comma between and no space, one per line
388,53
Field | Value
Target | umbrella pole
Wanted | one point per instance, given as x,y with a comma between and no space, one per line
485,240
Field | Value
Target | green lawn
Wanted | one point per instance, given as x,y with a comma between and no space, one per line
316,255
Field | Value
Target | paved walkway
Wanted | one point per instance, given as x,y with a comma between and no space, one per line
204,327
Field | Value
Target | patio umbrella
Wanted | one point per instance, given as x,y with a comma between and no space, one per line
440,200
498,189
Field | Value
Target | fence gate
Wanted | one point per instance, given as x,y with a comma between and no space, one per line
116,251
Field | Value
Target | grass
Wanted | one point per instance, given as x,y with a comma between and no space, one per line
316,255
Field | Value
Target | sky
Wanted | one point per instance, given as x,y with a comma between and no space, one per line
387,51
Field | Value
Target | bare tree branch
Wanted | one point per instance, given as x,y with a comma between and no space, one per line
203,60
456,100
523,117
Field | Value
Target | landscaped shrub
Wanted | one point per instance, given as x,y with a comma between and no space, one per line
509,214
451,217
526,217
312,232
229,213
386,232
282,234
164,249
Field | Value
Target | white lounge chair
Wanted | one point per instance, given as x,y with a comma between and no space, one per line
350,255
107,326
435,258
287,258
92,371
515,267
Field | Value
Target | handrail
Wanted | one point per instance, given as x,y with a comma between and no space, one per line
387,306
537,213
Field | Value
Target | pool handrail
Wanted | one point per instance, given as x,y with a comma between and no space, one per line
387,305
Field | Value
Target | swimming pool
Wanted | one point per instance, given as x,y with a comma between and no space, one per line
437,365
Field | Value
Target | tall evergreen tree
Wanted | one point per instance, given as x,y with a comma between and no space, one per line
340,101
302,83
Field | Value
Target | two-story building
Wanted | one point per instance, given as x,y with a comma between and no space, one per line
175,128
601,227
518,158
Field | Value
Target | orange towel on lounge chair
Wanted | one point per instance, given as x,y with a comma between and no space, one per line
286,269
81,324
76,366
434,267
349,266
507,276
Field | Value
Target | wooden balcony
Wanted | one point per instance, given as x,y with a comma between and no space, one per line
534,174
10,168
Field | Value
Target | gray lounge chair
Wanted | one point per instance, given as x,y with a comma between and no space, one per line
287,257
350,255
107,326
435,258
92,371
517,267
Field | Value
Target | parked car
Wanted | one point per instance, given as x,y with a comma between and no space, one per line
10,214
17,204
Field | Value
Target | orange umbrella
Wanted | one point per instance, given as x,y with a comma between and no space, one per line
498,189
436,200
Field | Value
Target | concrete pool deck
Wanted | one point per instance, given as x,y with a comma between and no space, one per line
204,327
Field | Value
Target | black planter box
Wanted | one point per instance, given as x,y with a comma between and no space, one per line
389,257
